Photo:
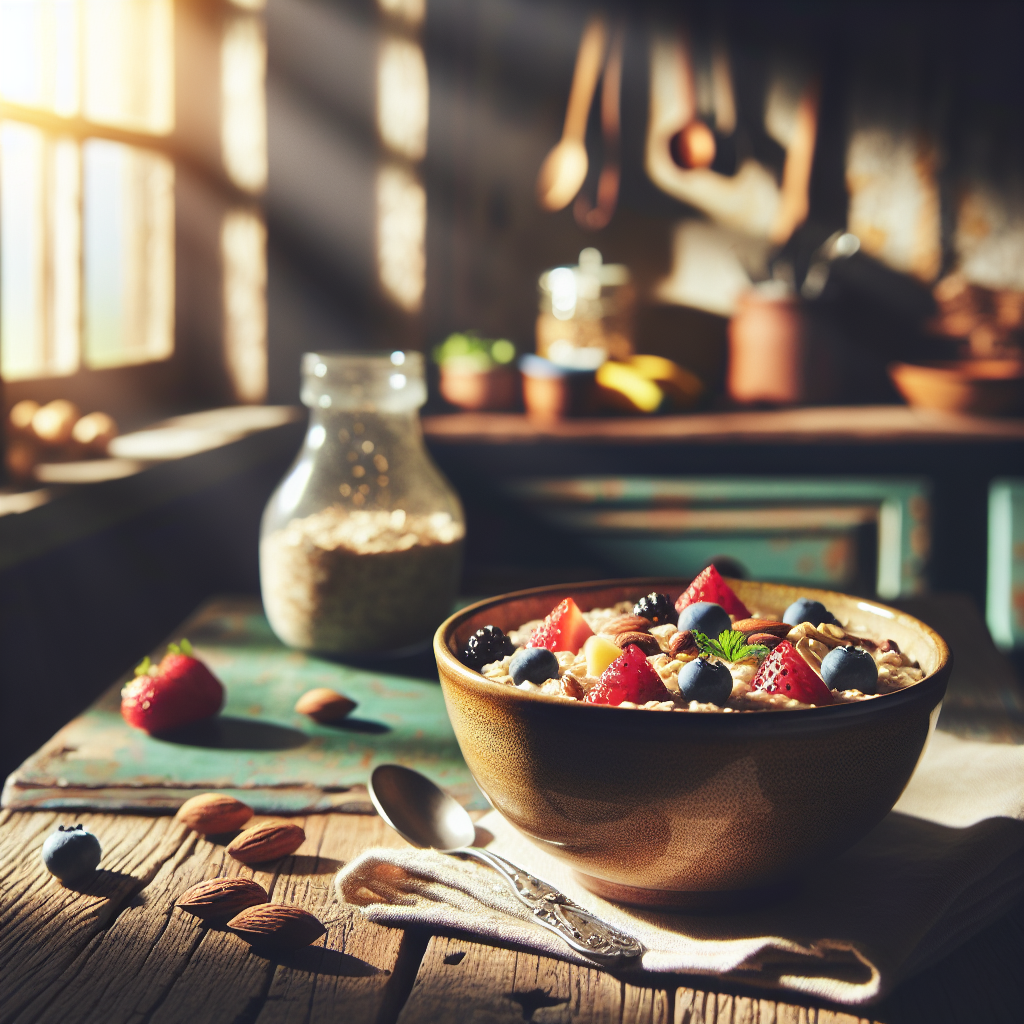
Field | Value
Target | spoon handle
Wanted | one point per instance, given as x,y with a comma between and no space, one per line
577,927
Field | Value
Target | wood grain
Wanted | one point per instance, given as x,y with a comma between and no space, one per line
117,951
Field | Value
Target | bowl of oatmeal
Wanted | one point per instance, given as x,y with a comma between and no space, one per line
681,767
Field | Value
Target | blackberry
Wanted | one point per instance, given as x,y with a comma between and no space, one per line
656,607
484,646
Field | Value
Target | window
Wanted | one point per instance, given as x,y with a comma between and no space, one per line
105,109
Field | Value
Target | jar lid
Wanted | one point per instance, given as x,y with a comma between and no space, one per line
380,382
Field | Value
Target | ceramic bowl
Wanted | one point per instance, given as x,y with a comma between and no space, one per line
987,387
698,811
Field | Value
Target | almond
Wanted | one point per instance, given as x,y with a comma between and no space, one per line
323,705
569,686
222,897
647,643
776,628
267,841
768,640
626,624
277,924
212,813
682,643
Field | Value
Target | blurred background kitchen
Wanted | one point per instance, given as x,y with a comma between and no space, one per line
742,285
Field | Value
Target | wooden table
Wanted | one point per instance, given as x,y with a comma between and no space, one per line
116,950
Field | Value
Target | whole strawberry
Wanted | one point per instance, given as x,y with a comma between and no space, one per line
784,671
180,690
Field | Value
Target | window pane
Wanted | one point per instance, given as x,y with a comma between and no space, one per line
243,246
129,255
401,232
243,69
129,63
40,252
39,54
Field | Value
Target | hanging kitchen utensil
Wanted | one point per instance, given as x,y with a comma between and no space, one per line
598,216
565,168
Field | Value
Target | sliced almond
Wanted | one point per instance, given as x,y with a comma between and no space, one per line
626,624
776,628
324,705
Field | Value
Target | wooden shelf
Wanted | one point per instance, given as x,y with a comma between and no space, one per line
882,424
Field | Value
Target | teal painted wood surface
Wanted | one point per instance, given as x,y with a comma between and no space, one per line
259,748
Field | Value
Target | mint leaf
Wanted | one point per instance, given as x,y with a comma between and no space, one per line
731,645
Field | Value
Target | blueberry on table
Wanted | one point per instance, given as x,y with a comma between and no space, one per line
803,609
533,665
705,617
850,668
71,853
705,681
484,646
656,607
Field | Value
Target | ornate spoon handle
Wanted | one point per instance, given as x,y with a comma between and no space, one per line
577,927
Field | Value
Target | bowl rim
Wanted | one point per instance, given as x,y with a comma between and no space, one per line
812,717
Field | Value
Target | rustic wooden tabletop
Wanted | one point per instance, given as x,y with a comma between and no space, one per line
116,949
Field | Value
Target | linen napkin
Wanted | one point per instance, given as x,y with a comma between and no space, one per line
944,863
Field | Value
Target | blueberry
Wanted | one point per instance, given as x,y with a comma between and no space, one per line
705,681
533,665
487,644
850,668
705,617
803,609
656,607
71,853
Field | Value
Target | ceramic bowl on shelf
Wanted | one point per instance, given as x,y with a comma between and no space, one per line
697,811
987,387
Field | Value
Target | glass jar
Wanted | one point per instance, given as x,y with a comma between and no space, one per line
361,543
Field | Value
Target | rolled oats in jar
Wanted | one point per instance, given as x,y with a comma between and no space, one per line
361,543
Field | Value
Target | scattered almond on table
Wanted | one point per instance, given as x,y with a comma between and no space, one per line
324,705
213,813
221,898
277,924
267,841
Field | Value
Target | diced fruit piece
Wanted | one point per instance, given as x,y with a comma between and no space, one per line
655,607
71,853
709,586
784,671
533,665
705,617
486,645
178,691
564,629
705,681
850,668
803,609
600,653
630,677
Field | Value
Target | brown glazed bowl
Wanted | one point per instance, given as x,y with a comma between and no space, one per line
698,811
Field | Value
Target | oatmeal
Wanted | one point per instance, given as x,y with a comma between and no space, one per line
355,581
756,663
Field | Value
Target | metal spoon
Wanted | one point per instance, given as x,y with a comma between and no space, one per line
429,818
565,168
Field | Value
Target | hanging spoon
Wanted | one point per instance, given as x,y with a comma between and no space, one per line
429,818
565,168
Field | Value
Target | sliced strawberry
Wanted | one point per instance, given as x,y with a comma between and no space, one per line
785,671
180,690
564,629
629,677
709,586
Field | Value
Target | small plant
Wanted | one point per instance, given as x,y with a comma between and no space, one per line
468,352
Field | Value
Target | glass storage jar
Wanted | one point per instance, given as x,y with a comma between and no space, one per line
361,543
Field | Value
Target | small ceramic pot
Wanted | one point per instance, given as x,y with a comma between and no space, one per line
699,811
987,387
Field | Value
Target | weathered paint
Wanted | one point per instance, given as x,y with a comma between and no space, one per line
259,748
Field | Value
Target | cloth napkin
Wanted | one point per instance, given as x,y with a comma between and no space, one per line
944,863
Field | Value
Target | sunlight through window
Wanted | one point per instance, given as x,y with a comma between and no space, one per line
243,104
401,233
243,244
